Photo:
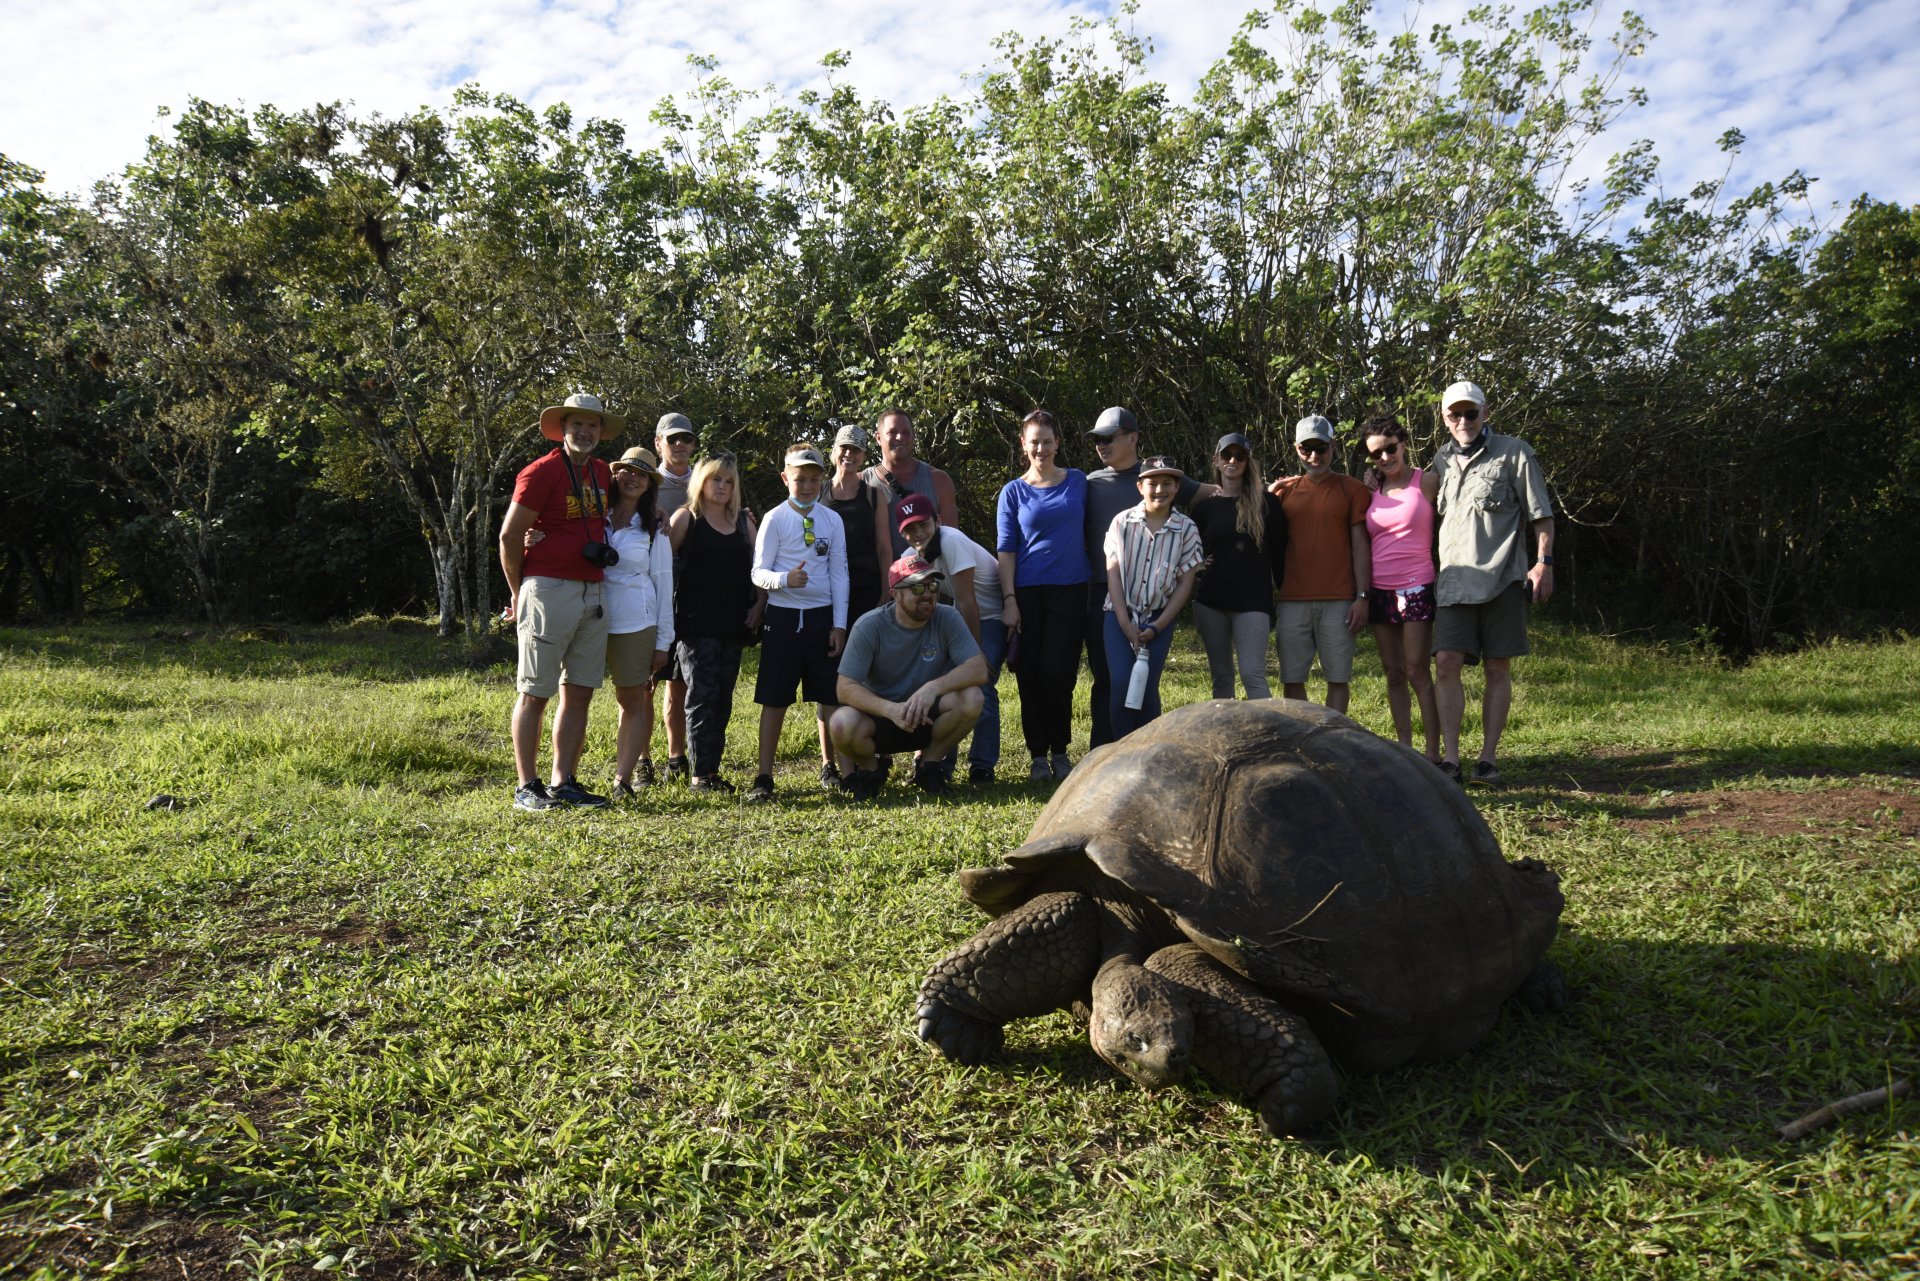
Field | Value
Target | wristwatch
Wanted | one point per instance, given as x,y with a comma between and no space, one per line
1547,561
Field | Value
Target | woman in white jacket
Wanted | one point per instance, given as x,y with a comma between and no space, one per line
639,591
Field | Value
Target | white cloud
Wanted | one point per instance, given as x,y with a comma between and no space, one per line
1827,86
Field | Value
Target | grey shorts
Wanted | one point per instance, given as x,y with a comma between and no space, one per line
561,624
630,658
1491,629
1304,627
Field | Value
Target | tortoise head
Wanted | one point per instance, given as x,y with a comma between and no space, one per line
1142,1024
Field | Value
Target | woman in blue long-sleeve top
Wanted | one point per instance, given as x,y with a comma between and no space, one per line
1041,518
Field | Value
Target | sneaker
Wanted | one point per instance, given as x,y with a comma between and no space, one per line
643,775
1451,769
865,784
571,793
677,768
762,789
932,780
1038,772
622,791
1487,774
712,783
830,777
1061,765
980,776
532,797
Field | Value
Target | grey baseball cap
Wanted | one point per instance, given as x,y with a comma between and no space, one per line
1312,427
671,425
855,435
1114,421
1231,439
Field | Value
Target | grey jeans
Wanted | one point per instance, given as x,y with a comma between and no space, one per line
1228,637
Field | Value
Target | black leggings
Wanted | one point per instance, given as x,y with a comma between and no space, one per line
1053,619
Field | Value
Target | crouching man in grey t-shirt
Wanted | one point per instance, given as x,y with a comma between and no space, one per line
910,680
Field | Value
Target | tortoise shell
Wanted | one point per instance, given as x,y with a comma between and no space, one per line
1342,873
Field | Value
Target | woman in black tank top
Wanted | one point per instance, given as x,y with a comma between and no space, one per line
716,608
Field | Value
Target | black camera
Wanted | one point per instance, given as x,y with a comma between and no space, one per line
600,556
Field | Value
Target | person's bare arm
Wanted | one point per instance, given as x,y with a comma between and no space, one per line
923,705
677,526
966,602
513,552
883,538
1362,548
943,498
1541,575
758,610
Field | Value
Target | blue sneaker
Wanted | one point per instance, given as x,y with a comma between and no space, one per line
532,797
571,793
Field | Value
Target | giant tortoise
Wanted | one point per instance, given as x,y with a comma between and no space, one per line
1248,888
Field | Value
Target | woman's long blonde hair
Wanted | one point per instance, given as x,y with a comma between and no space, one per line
1250,507
703,473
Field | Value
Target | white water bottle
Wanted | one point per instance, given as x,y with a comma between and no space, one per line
1137,683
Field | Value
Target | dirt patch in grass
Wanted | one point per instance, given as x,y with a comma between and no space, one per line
1869,811
1858,813
354,931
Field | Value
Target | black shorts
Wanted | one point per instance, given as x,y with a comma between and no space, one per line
1492,629
793,653
889,738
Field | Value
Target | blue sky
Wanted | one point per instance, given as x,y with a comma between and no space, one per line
1831,87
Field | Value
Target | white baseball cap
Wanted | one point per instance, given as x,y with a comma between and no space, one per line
1312,427
1463,390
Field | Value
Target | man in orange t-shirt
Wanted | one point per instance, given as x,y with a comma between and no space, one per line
1323,594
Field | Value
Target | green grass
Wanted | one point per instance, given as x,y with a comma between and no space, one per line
348,1012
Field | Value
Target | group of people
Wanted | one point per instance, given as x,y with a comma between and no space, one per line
871,603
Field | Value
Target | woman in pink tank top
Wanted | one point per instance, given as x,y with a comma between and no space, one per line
1400,602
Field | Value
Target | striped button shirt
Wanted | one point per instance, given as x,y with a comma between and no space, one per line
1151,562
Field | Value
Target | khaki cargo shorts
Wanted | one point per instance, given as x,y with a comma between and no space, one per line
562,625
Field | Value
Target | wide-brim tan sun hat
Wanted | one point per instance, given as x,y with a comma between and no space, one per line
639,459
553,418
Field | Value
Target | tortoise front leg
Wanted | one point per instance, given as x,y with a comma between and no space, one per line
1250,1044
1039,957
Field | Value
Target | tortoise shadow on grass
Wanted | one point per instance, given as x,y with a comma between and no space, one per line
1707,1047
1666,1045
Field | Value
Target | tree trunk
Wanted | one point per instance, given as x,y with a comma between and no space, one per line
446,578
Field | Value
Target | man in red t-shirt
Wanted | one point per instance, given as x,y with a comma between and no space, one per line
555,595
1323,593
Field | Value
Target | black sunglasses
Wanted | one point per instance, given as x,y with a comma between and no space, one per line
1234,456
1466,415
1313,446
1384,452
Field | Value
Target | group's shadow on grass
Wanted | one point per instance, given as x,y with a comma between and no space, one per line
1698,1047
1609,772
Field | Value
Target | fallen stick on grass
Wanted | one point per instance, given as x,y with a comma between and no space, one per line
1840,1107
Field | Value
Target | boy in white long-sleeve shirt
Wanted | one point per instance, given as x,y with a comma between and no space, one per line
800,558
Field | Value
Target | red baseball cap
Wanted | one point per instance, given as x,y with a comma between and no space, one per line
910,569
911,508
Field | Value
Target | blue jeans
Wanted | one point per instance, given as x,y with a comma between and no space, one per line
1120,665
984,751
